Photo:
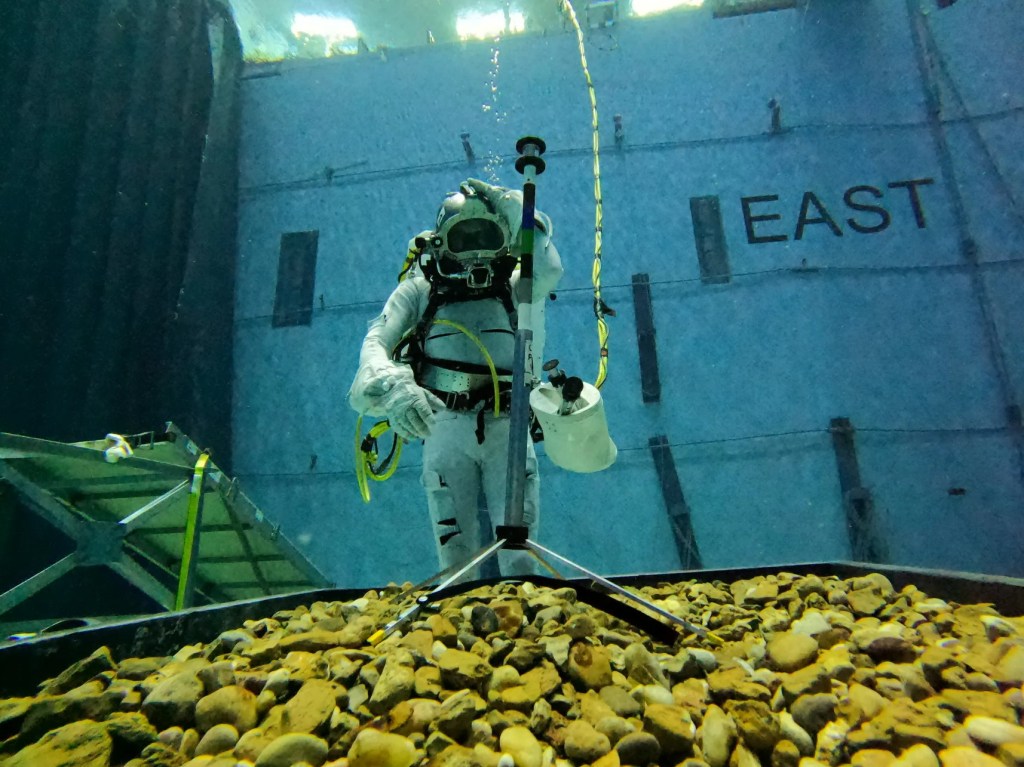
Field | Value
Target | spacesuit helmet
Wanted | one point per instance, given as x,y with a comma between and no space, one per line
469,238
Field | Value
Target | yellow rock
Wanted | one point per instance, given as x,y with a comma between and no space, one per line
1011,754
84,742
994,732
611,759
872,757
917,756
519,743
373,748
963,756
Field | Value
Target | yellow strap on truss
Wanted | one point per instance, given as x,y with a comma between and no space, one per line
191,523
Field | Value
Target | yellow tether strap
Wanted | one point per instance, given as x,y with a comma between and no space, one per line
191,523
364,460
599,306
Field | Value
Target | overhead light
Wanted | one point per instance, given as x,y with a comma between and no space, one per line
483,25
649,7
332,28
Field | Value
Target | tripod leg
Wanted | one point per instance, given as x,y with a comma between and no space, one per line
459,570
544,563
693,628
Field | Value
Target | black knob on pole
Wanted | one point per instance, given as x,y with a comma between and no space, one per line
530,149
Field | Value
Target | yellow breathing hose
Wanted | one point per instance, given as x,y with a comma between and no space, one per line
365,459
600,309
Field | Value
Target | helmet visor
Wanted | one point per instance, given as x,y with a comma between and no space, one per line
474,234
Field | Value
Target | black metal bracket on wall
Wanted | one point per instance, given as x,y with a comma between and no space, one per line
866,543
650,380
675,503
709,240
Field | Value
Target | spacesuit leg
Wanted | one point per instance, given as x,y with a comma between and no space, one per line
451,480
494,465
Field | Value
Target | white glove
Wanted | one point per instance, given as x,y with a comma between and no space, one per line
509,205
507,202
410,408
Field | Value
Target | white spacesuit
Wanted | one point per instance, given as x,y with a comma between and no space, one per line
440,387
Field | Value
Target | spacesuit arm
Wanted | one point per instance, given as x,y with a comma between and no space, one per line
377,372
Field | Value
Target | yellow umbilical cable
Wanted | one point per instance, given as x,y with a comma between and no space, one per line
364,486
599,306
487,358
365,459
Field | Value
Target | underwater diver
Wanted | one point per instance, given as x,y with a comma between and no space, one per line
424,362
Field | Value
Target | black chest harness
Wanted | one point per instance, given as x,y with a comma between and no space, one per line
411,349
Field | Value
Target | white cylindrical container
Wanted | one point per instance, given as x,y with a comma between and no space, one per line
578,441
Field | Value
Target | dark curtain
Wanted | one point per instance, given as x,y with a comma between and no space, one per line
118,210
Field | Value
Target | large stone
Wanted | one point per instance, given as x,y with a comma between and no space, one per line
519,743
1010,668
620,702
462,670
483,620
795,734
457,713
589,666
757,725
860,704
79,744
49,713
583,743
442,629
867,601
80,672
510,616
734,684
544,678
1011,754
173,701
130,732
290,749
218,739
673,728
785,754
916,756
993,732
964,756
456,756
397,683
357,631
812,712
718,736
232,705
309,711
316,640
807,681
526,654
373,748
638,748
966,702
791,651
642,667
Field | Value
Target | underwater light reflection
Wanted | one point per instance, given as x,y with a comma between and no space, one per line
483,25
331,28
649,7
